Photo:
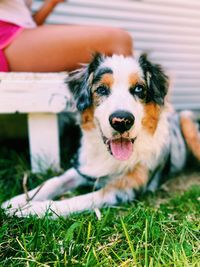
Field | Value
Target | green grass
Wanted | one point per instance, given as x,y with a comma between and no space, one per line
138,234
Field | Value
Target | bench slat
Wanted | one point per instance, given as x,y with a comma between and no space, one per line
34,92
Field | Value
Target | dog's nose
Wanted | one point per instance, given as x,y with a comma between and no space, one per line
121,120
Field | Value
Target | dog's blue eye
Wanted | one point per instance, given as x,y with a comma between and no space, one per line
102,90
139,89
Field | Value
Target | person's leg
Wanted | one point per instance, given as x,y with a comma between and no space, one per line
64,47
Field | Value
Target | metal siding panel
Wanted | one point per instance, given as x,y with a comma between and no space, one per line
168,29
192,4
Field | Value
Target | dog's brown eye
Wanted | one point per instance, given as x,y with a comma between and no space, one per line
102,90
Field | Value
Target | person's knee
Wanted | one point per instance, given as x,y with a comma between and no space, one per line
120,42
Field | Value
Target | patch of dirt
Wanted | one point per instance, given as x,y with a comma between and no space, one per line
177,185
182,182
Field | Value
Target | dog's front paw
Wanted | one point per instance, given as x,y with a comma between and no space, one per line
38,208
13,204
20,207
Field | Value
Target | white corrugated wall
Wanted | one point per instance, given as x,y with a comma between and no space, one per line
169,30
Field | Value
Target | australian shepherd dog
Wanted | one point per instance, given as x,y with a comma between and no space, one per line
131,140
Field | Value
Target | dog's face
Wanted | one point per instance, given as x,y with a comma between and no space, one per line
120,97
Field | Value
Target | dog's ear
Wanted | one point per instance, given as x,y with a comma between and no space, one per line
156,80
80,82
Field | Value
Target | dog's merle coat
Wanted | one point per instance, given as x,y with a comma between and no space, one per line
131,141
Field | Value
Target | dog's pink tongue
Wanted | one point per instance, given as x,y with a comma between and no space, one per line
121,148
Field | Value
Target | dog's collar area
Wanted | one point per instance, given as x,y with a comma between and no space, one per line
75,164
86,177
89,179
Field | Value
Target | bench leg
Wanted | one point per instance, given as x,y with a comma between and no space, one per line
43,141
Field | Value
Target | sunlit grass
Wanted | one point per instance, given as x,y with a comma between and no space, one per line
137,234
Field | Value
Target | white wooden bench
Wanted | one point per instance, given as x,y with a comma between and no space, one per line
41,96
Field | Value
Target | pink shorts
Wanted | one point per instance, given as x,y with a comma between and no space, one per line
8,32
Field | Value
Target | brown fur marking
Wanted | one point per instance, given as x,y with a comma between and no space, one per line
96,99
107,79
191,135
87,119
134,79
151,117
135,179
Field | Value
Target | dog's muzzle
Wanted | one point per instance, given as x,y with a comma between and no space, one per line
121,145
